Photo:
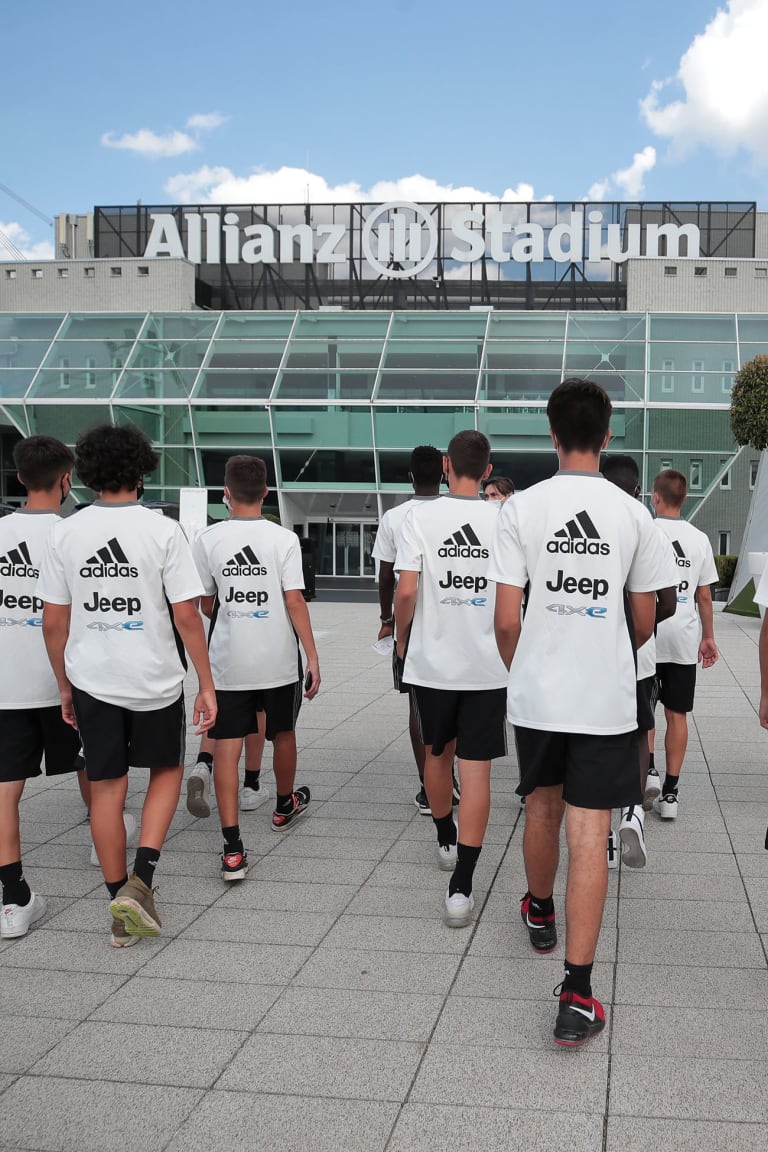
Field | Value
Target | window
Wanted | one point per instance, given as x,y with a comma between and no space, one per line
143,270
63,273
753,467
725,479
724,543
700,271
730,271
90,377
668,380
115,271
37,273
761,273
729,369
63,376
694,475
664,464
89,271
697,380
10,273
670,270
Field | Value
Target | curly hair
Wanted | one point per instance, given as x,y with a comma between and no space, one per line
109,459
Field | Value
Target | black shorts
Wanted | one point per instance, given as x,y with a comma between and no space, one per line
236,716
475,720
595,771
647,695
114,738
677,686
28,734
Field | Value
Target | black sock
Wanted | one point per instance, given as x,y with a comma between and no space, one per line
114,888
446,830
670,785
205,758
285,803
578,978
145,863
252,779
232,841
15,888
651,763
542,906
461,880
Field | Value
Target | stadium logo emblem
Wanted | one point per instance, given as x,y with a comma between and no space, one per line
400,233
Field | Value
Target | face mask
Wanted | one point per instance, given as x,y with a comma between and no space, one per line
227,503
139,489
63,493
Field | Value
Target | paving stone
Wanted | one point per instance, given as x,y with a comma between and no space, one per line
426,1127
413,972
691,987
289,897
27,1038
211,960
692,915
66,995
495,1022
341,1012
71,952
400,934
710,949
522,979
689,1089
673,1135
192,1003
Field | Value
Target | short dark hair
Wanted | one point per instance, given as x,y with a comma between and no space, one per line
469,453
246,478
579,414
503,483
623,472
41,461
426,465
109,459
672,487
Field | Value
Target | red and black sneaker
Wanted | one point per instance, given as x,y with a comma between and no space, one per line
541,929
578,1020
234,865
300,800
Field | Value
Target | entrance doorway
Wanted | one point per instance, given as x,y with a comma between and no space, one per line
342,547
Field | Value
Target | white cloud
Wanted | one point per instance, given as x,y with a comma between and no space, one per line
631,179
724,81
206,121
148,143
599,190
20,238
289,185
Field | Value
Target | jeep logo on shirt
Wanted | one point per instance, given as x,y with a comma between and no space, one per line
235,597
109,561
579,537
129,604
27,603
475,583
584,585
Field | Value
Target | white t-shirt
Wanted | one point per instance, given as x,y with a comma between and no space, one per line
578,541
452,643
248,563
385,546
120,566
26,676
678,639
646,656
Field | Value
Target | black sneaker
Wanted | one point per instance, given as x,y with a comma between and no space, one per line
421,802
456,790
578,1019
234,865
541,929
300,800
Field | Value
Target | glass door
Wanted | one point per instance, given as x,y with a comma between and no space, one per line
342,548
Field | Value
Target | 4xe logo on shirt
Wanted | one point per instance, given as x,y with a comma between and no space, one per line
109,561
18,562
463,543
579,537
244,563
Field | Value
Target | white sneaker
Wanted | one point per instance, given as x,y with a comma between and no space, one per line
130,837
652,789
17,919
199,790
632,837
253,798
458,909
613,850
448,854
666,806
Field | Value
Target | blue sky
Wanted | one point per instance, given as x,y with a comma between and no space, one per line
171,103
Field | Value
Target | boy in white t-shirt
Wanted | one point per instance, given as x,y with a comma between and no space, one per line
121,591
253,581
688,637
575,542
444,627
31,724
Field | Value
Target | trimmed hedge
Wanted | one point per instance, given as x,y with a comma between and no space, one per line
726,568
749,404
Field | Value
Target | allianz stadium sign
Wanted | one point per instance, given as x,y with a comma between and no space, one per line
401,239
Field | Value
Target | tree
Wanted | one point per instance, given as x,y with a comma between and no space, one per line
749,404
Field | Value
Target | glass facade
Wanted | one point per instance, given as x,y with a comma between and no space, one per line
336,400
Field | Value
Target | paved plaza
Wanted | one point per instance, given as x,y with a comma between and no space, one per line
322,1004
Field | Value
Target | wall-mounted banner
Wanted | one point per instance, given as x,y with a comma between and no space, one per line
402,240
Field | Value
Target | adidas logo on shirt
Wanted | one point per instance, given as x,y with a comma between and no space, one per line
18,562
244,563
463,543
579,537
108,561
680,555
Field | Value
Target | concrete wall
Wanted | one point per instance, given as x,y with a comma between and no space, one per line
96,286
651,288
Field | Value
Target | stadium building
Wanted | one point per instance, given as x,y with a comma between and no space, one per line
330,339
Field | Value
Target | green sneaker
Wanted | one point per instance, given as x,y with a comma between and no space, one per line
135,906
118,937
